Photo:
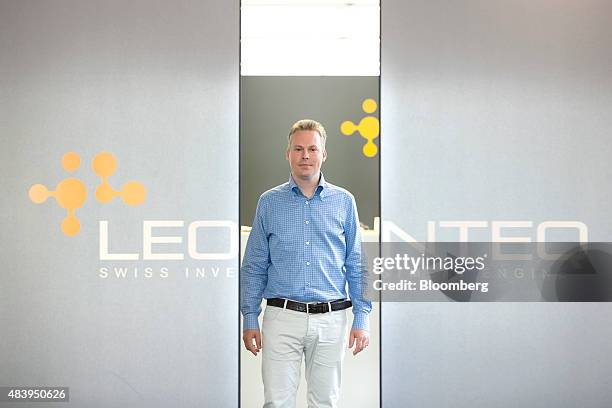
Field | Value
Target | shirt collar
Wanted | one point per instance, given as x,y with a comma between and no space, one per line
321,187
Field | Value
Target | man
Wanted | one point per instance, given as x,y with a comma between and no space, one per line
305,246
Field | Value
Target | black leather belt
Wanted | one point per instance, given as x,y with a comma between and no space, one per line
311,308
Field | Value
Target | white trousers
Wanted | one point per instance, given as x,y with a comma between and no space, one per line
288,335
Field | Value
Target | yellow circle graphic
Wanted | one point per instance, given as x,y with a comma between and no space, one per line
71,161
348,128
370,149
104,164
369,106
70,193
368,127
71,225
105,193
38,193
133,193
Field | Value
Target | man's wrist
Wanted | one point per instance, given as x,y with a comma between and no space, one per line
250,322
361,321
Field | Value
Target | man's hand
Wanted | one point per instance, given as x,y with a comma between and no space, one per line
252,340
360,339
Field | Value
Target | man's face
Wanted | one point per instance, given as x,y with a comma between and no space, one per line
306,154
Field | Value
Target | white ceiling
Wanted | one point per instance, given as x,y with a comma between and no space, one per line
310,38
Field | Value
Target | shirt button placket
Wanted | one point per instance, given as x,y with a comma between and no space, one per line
307,252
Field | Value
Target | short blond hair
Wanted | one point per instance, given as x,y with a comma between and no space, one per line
307,124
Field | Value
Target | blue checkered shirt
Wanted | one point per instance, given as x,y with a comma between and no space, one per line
305,250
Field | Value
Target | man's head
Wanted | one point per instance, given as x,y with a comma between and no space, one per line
306,149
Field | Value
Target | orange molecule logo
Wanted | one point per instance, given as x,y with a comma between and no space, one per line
368,128
104,165
71,193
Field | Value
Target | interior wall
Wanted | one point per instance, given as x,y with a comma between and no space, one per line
155,83
496,111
